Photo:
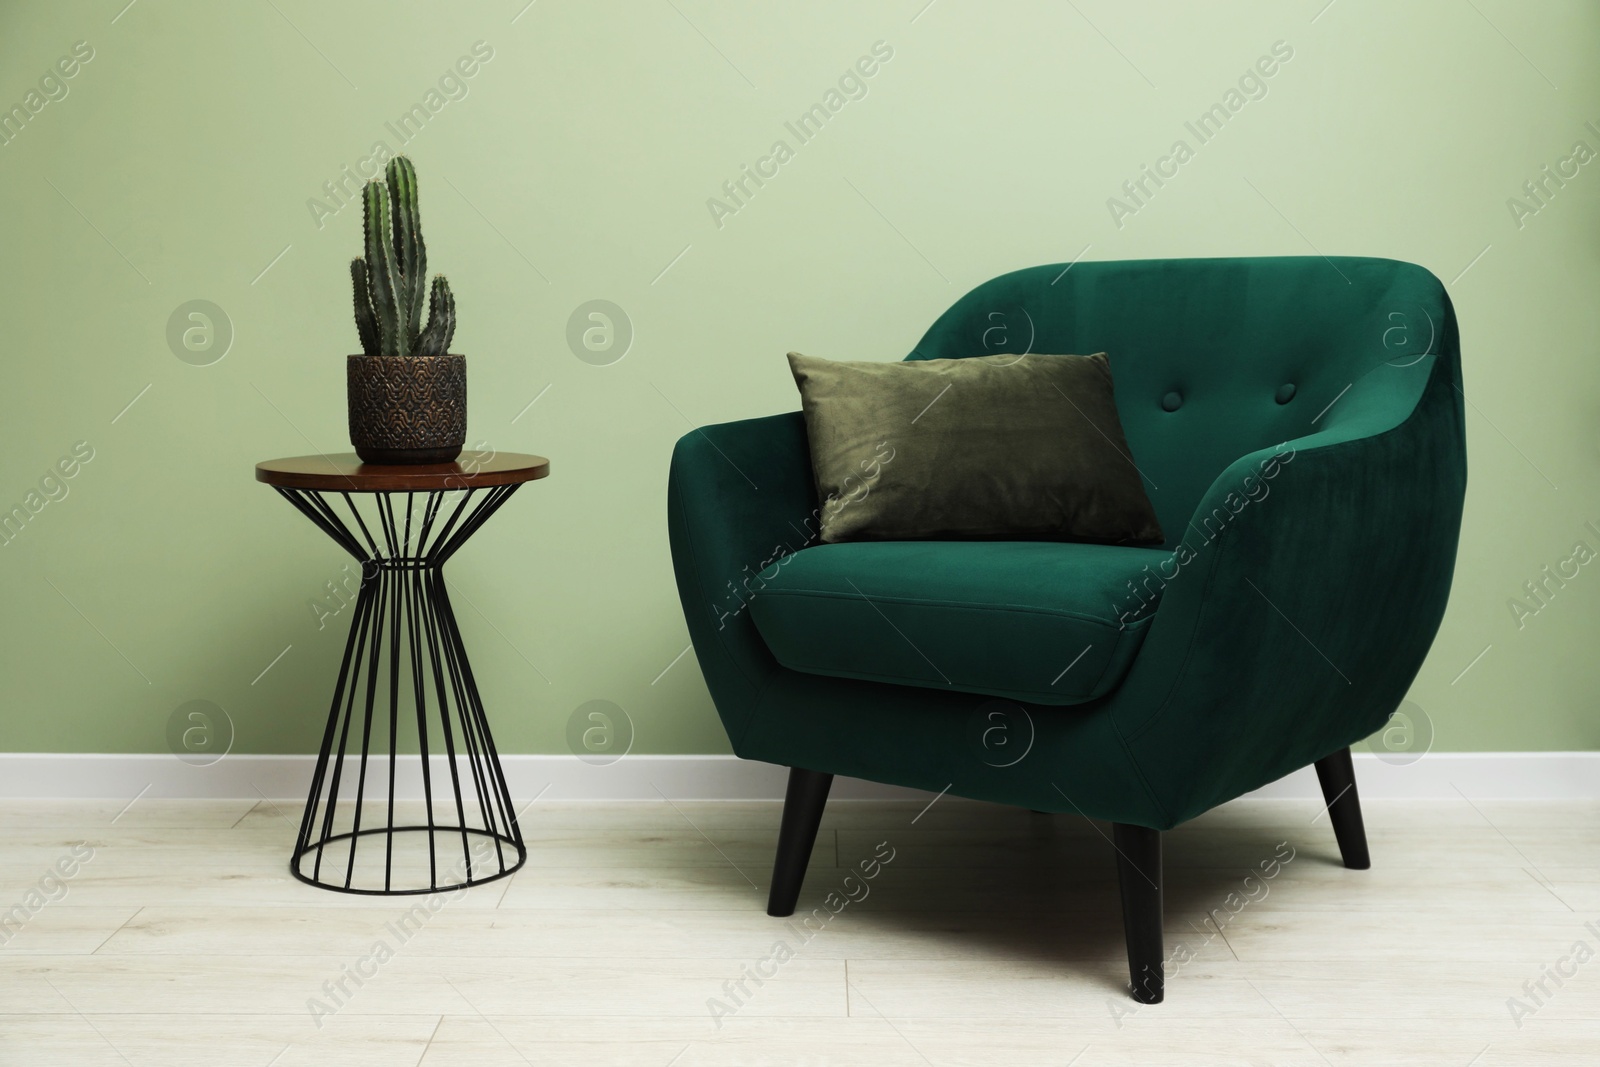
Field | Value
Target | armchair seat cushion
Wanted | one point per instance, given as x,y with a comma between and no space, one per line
1035,621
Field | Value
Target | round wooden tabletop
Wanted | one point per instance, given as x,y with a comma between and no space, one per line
344,471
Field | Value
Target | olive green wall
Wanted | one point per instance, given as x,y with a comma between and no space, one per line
576,164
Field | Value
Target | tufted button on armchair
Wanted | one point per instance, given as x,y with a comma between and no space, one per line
1298,424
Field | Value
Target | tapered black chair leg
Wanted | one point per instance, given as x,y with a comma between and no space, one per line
802,813
1338,777
1139,878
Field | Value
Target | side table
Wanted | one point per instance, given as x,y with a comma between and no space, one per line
423,515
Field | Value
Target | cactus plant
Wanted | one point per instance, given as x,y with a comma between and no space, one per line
389,282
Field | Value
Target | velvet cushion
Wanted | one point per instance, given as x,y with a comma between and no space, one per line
1038,621
1001,446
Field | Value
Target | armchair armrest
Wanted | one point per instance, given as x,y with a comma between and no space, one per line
740,498
1305,594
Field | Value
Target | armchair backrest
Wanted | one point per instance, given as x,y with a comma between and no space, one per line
1217,358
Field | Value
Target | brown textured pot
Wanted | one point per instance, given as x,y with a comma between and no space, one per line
408,409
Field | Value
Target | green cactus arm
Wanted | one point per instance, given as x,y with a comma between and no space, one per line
441,328
411,257
447,315
394,339
366,322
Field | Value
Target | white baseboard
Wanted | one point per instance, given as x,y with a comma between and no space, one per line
1438,775
1449,775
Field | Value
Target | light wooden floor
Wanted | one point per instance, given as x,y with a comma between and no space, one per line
991,937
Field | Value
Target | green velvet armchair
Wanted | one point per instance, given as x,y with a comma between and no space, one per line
1298,422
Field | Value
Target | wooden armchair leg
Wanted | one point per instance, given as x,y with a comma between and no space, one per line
1139,878
802,813
1338,777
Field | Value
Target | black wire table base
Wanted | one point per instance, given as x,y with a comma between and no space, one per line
355,837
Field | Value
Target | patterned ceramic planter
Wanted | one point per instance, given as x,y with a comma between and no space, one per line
408,409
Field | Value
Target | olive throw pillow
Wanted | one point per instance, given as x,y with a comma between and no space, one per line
999,446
